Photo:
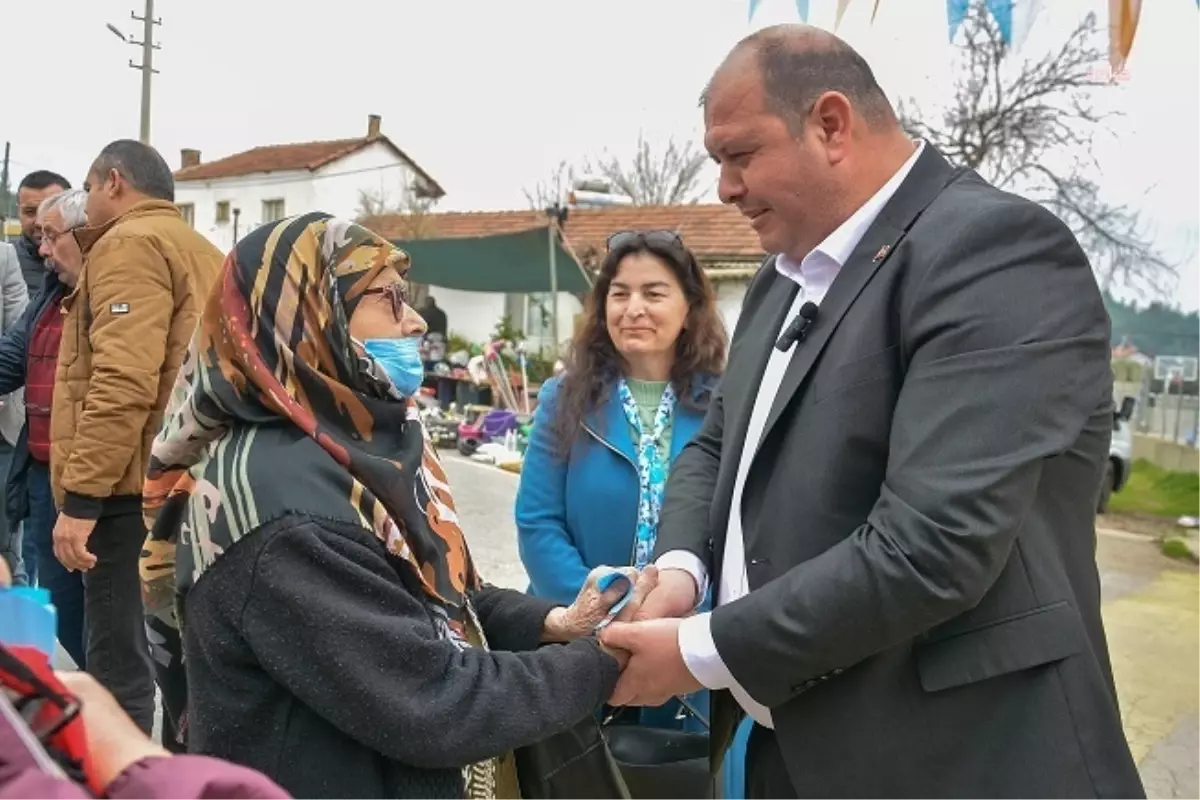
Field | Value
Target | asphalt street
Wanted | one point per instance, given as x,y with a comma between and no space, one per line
484,497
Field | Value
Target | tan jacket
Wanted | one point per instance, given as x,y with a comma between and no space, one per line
145,279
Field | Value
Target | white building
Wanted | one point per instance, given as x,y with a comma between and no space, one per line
226,198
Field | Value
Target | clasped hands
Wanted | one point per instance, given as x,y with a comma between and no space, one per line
643,637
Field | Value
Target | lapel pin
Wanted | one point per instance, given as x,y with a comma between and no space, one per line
882,254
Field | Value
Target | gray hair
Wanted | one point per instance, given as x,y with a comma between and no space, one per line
71,204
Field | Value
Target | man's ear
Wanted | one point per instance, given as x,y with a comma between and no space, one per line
115,183
833,116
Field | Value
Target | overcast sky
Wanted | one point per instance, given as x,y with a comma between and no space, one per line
489,95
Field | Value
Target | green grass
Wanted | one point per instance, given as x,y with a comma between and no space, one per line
1154,490
1176,548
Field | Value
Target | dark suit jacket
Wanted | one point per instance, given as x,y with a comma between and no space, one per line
924,617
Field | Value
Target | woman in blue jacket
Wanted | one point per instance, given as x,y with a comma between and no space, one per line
638,380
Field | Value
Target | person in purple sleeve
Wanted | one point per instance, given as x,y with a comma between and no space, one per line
125,761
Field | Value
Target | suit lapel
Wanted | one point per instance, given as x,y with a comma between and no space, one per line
853,277
760,340
754,348
928,177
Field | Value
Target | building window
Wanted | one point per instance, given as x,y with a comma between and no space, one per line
222,211
188,212
538,313
272,210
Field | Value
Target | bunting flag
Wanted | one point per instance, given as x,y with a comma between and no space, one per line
1122,25
1002,12
956,12
1024,14
841,11
1015,19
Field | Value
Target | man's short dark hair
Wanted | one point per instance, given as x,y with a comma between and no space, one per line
793,79
140,165
794,76
43,179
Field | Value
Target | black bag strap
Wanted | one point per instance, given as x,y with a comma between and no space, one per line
687,706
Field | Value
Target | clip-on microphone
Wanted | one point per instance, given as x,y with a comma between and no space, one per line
798,329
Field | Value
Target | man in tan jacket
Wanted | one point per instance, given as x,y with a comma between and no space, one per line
145,279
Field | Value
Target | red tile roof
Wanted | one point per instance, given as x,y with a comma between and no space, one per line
308,156
713,232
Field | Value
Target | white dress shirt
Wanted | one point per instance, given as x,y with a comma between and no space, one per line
815,274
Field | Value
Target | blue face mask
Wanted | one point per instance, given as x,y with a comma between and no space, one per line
401,360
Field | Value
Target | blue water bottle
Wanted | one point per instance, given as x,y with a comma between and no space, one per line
28,620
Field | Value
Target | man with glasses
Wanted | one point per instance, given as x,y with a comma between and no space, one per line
28,356
22,263
126,331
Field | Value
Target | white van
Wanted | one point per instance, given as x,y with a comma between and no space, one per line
1120,453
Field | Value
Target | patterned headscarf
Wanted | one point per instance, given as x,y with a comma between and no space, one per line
272,377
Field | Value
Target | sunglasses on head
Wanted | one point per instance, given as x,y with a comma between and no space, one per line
658,238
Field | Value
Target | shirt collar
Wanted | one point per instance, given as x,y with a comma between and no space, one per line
823,262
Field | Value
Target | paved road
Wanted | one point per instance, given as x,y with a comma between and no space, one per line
1153,626
484,497
1150,610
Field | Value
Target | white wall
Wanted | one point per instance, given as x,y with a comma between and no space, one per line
375,168
729,302
473,315
333,189
248,192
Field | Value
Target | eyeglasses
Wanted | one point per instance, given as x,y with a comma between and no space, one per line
396,293
51,236
658,238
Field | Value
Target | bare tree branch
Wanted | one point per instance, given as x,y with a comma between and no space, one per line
553,190
411,212
1010,121
672,177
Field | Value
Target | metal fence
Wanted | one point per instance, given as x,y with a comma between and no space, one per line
1166,414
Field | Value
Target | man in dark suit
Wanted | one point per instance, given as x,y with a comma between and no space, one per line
893,493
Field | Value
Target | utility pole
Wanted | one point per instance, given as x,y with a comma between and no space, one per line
147,66
557,214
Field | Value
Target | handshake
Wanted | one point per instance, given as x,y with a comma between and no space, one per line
639,627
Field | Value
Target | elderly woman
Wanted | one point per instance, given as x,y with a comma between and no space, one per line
28,355
336,633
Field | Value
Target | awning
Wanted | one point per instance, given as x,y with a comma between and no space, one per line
510,262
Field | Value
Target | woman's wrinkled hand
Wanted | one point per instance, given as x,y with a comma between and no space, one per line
592,606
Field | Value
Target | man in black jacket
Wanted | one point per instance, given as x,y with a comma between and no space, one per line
33,189
894,489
